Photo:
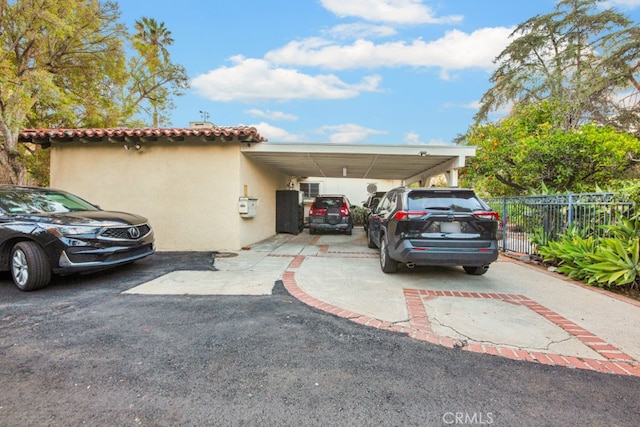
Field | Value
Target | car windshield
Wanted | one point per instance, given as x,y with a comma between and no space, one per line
45,201
445,201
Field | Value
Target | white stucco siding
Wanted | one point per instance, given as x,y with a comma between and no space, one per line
261,183
188,191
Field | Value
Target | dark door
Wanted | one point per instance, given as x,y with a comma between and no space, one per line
289,218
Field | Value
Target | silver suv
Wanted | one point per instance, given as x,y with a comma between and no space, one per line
434,226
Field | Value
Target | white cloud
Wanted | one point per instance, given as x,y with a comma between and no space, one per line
629,4
456,50
271,115
391,11
348,133
257,79
276,134
359,30
413,138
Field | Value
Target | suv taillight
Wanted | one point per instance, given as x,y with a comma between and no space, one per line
344,210
407,215
313,206
487,215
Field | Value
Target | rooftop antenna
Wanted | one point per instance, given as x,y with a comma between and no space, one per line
205,116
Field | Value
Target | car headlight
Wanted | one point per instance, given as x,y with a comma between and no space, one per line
70,230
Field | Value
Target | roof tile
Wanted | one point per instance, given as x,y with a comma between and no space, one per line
31,135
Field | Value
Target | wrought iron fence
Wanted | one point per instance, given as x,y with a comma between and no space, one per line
530,219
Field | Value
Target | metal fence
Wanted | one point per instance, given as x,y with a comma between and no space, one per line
525,220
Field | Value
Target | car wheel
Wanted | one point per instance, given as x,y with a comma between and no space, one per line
386,263
370,243
476,271
312,231
349,231
30,268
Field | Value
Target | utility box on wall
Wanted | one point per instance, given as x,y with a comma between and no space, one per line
248,207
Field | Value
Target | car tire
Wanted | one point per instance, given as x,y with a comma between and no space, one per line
349,231
476,271
386,263
312,231
370,243
333,216
30,268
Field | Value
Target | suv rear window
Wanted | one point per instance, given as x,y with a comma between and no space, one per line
458,201
328,202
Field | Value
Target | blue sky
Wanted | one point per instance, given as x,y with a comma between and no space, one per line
339,71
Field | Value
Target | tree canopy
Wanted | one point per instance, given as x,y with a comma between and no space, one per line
529,151
63,63
580,57
571,80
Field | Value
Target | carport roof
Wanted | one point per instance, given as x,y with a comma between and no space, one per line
401,162
409,163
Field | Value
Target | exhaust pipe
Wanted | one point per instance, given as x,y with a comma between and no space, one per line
410,264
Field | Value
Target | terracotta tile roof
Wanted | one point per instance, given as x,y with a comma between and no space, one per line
42,136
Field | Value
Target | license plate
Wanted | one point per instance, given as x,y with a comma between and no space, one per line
450,227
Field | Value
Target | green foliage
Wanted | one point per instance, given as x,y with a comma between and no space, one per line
570,253
63,63
580,56
605,262
529,150
614,263
36,159
357,214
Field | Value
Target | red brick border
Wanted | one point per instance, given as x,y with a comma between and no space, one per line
617,362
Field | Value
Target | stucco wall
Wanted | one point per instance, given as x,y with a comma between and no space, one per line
354,188
261,182
188,191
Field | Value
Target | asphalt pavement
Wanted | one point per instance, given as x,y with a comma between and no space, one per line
306,331
515,310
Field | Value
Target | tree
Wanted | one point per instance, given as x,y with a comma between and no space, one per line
152,75
63,64
529,151
57,59
577,57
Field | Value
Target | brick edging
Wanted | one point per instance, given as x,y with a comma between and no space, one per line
617,362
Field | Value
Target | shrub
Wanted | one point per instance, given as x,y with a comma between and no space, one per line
606,261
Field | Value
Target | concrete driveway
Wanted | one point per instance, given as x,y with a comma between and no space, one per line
515,310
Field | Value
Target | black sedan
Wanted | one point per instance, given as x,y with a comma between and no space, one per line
45,231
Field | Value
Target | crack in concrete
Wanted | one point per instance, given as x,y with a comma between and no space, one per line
467,338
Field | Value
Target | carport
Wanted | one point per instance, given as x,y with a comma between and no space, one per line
189,181
408,163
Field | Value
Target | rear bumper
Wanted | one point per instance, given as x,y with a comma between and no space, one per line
329,226
483,254
320,224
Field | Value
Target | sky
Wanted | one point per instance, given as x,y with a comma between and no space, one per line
389,72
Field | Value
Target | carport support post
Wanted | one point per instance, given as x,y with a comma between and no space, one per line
452,177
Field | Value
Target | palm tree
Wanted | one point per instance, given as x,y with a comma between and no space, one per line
151,40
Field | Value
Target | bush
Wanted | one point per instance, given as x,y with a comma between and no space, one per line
612,261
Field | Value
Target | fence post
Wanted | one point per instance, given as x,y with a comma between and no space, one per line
504,223
570,213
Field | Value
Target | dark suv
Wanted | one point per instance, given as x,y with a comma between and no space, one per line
434,226
330,212
372,202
